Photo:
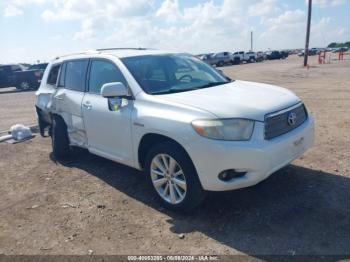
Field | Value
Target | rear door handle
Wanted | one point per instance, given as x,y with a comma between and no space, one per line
87,105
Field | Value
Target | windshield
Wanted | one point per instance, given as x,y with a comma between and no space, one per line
172,73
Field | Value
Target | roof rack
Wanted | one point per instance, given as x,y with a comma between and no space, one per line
122,48
79,53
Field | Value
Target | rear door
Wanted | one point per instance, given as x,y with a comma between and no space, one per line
108,128
69,96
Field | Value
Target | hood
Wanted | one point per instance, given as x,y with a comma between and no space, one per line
239,99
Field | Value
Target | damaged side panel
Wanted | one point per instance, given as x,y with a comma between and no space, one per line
67,104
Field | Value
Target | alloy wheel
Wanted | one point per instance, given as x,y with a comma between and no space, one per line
168,179
24,85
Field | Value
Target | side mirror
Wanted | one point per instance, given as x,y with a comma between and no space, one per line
114,89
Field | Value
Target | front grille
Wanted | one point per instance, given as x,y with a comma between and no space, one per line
277,124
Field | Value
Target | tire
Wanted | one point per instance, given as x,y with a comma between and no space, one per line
236,61
194,193
220,63
24,86
42,125
59,137
251,60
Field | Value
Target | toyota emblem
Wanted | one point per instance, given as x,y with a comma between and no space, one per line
292,118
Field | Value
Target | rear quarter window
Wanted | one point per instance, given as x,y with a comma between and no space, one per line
52,78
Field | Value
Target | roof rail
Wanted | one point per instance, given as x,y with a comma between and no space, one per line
79,53
122,48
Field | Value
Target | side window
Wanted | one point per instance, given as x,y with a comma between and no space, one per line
16,68
76,74
62,78
52,78
103,72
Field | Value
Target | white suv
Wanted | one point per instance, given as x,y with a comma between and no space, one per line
190,128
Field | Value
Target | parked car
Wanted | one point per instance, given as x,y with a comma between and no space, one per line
173,116
272,55
221,59
7,74
260,56
30,78
18,76
248,57
341,49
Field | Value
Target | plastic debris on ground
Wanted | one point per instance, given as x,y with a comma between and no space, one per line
18,133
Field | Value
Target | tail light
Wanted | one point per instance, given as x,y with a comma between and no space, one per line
38,74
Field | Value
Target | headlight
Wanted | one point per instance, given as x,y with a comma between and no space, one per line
225,129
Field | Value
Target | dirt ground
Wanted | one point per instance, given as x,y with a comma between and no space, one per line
92,205
16,108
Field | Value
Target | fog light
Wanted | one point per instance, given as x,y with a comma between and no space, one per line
229,174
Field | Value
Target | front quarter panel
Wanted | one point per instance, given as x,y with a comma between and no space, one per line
168,119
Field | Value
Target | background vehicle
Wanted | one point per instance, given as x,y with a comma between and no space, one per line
29,78
7,74
221,59
271,55
248,57
20,77
260,56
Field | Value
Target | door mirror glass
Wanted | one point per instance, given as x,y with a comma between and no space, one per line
114,89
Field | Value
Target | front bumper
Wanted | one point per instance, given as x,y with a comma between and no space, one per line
259,158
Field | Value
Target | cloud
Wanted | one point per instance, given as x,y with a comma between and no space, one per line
13,8
327,3
264,8
169,11
285,30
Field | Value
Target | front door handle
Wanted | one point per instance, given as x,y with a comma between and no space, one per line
58,97
87,105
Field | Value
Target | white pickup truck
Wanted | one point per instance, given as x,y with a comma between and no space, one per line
249,57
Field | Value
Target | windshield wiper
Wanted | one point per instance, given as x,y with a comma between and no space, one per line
174,90
211,84
177,90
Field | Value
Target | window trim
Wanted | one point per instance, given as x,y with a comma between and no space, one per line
63,64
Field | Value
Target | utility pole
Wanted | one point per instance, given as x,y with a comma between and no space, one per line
306,52
251,40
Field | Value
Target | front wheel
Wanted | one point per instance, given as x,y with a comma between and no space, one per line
173,177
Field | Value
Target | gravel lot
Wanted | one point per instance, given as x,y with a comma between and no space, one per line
90,203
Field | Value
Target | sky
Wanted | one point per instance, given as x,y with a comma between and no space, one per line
32,30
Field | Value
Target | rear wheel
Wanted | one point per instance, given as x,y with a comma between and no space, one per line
220,63
173,177
251,60
59,138
24,86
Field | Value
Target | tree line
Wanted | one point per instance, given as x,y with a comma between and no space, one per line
337,45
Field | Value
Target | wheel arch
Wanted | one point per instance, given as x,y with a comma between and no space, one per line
150,139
